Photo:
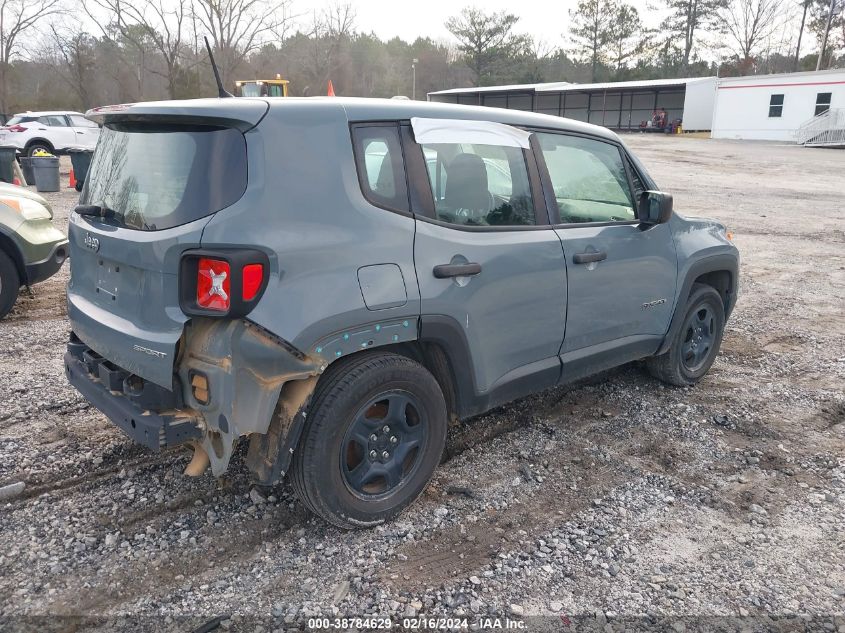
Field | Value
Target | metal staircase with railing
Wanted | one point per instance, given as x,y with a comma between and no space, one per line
823,130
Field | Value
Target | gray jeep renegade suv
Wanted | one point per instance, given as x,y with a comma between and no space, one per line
336,279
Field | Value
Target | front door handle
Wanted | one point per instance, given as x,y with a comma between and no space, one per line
444,271
588,257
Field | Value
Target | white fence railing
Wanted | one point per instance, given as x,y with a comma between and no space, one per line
828,128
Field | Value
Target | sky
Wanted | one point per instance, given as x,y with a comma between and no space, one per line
544,20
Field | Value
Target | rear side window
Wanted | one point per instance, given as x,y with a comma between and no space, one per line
381,169
156,177
479,185
53,120
80,121
589,179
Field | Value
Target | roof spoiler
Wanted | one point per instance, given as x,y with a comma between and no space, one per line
241,114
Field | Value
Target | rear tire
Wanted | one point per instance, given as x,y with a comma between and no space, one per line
36,145
10,284
373,436
696,343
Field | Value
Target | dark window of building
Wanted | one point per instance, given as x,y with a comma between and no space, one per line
776,106
823,102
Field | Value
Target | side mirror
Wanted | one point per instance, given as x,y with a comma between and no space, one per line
655,207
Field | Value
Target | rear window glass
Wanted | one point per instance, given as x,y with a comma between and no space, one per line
20,119
156,177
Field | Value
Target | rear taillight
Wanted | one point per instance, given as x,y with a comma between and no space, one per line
225,282
253,276
16,128
214,285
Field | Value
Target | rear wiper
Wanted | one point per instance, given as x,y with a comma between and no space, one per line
95,210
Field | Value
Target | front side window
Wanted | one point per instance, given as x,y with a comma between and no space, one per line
823,102
157,176
381,169
479,185
775,106
589,179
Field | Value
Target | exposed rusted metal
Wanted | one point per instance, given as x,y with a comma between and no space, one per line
270,454
199,462
255,384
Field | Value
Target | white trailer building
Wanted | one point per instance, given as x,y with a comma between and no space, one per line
758,107
619,105
774,107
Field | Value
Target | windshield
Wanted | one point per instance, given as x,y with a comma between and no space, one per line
250,90
156,177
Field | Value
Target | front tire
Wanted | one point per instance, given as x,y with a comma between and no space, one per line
373,436
10,283
696,343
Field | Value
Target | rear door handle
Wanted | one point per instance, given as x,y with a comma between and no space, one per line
444,271
586,258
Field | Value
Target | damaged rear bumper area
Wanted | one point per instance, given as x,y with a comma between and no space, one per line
232,379
147,413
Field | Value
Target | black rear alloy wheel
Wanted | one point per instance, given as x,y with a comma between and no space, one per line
374,434
696,343
30,150
381,448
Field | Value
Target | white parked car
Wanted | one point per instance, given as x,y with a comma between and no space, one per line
55,132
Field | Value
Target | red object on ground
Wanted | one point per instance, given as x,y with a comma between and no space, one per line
72,180
330,91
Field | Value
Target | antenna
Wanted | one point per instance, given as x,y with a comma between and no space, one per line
221,91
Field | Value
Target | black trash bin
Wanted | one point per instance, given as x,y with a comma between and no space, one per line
81,160
26,168
46,171
7,163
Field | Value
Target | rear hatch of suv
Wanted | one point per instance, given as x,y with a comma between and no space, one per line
159,172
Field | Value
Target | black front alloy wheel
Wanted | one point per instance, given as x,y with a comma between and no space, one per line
696,343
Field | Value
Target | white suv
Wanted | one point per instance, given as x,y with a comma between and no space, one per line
55,132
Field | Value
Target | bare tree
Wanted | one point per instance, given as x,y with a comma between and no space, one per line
17,17
805,4
747,23
164,24
239,27
330,30
74,60
119,28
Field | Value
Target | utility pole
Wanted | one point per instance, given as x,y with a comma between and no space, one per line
826,33
414,63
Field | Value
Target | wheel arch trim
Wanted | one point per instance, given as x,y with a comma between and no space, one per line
724,262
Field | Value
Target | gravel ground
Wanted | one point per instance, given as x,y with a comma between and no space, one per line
614,504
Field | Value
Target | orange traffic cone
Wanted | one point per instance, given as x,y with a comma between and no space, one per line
72,183
330,91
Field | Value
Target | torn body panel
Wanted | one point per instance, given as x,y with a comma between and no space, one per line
244,368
